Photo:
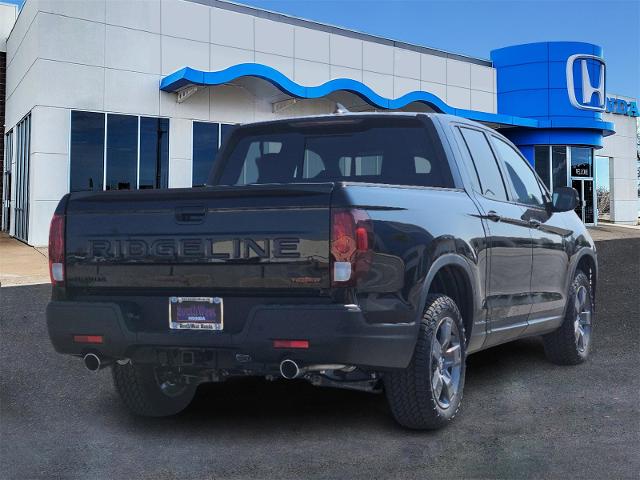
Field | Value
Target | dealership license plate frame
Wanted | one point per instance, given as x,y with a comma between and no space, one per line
203,322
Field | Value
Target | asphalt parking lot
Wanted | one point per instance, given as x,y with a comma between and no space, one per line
521,416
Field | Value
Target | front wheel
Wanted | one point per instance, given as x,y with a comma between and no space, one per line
570,344
151,392
427,394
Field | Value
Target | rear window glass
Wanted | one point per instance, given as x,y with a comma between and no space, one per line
400,151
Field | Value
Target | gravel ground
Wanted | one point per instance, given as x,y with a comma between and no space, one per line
521,416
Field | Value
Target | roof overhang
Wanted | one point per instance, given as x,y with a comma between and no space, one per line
187,77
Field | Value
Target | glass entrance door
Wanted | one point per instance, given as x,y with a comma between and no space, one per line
582,175
561,166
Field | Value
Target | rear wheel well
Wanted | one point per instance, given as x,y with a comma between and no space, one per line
453,282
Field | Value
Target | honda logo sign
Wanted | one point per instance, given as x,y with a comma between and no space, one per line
588,88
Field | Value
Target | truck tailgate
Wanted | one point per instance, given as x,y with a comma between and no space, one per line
252,239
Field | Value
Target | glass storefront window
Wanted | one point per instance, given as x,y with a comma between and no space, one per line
581,162
206,138
154,153
122,152
541,161
87,151
559,166
135,157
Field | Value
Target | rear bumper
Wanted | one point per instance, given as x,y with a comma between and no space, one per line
336,334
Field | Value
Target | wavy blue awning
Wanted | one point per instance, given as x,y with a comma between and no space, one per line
188,77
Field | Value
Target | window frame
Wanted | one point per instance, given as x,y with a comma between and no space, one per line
104,154
459,127
220,139
511,190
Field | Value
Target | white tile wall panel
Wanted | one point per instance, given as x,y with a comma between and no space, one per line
345,72
131,92
8,15
346,51
138,14
433,69
402,86
482,78
379,83
145,57
458,73
232,104
315,106
377,57
195,107
625,211
185,20
482,101
232,29
50,129
283,64
406,63
459,97
223,57
273,37
180,172
69,85
625,188
40,214
93,10
311,45
180,138
22,25
70,39
23,58
49,174
311,73
624,166
438,89
178,53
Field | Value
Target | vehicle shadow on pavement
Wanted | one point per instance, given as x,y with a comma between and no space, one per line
521,416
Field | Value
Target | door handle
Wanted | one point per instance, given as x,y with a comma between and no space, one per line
493,216
534,223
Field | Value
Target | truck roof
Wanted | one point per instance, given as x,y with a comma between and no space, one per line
338,116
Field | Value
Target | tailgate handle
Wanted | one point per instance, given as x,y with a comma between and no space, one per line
190,214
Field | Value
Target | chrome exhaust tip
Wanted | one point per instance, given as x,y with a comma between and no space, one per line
92,362
289,369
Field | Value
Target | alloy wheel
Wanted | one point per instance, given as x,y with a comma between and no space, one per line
446,364
582,321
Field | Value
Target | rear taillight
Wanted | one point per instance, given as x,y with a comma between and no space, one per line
56,250
351,241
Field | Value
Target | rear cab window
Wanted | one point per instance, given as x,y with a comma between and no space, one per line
384,149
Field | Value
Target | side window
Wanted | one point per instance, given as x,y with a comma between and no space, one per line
489,176
526,188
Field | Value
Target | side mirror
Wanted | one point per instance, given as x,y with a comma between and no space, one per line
565,199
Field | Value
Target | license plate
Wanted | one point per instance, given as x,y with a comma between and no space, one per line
195,313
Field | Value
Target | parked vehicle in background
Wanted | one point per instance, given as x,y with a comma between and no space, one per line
367,251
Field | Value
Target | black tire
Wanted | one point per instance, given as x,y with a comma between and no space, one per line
411,392
140,391
563,346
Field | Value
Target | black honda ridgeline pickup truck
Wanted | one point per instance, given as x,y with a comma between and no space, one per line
363,251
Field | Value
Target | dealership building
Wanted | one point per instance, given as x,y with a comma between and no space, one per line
110,94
